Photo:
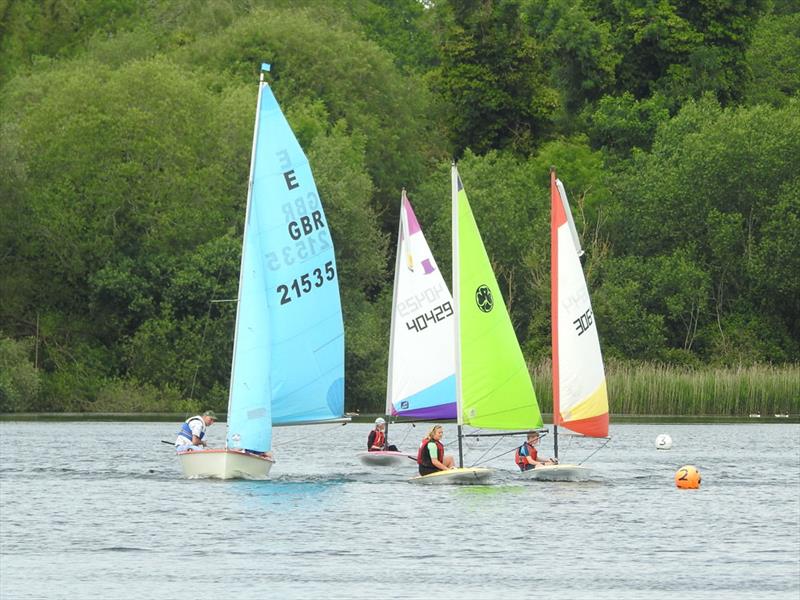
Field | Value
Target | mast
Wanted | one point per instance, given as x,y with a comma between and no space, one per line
388,409
456,305
554,306
264,67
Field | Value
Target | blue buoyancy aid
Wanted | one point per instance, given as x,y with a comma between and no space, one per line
186,430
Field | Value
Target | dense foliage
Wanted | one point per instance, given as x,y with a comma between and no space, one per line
125,132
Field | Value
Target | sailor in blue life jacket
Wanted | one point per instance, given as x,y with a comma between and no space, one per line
527,457
431,457
376,441
193,432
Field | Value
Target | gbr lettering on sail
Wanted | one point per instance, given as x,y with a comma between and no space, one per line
308,236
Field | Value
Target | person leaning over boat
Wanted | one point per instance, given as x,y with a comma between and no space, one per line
376,441
431,457
193,432
527,457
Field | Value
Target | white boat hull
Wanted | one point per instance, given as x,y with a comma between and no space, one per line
462,476
557,473
385,458
224,464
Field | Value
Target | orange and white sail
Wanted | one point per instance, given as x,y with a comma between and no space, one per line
580,400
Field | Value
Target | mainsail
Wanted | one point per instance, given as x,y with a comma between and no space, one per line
580,400
494,388
421,379
288,360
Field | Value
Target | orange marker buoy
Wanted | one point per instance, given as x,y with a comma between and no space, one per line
688,478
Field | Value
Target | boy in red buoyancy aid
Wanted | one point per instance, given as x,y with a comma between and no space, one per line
527,457
431,456
376,441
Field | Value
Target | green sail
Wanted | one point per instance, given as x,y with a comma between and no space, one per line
494,384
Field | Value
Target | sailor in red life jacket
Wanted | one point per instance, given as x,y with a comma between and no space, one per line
376,442
431,457
192,433
527,457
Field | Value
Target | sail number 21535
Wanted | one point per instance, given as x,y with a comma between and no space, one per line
305,283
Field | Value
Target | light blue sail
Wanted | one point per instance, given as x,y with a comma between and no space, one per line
289,344
307,333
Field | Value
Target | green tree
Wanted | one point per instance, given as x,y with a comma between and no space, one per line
618,124
774,60
579,47
709,189
19,378
357,82
492,78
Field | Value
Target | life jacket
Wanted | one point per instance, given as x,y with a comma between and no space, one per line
379,441
520,456
186,431
424,457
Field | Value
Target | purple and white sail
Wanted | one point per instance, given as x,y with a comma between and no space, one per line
421,382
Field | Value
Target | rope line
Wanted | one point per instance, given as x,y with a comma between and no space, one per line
293,440
478,461
608,439
498,456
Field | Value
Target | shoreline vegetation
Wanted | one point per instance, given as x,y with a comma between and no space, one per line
369,418
646,391
661,389
121,220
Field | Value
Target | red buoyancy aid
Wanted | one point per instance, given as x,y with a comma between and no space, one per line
424,457
379,441
521,459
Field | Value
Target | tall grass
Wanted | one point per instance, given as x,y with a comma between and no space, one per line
658,389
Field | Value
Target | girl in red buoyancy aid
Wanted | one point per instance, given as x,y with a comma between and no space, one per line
527,457
431,457
376,441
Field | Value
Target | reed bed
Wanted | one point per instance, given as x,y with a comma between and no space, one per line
659,389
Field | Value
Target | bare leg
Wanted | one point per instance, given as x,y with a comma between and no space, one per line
448,461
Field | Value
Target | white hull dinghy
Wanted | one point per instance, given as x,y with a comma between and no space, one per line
459,476
224,464
385,458
557,473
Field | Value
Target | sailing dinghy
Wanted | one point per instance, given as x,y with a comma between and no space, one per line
288,354
580,399
493,385
421,382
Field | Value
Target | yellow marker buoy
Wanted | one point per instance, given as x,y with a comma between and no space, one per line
688,478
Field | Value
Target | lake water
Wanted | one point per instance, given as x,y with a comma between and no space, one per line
100,510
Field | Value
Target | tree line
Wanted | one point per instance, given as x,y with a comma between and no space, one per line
125,134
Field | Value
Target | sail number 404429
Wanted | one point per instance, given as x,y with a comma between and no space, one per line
305,283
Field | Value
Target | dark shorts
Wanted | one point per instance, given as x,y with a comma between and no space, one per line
423,470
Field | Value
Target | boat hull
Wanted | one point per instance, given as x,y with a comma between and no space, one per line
557,473
224,464
385,458
462,476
